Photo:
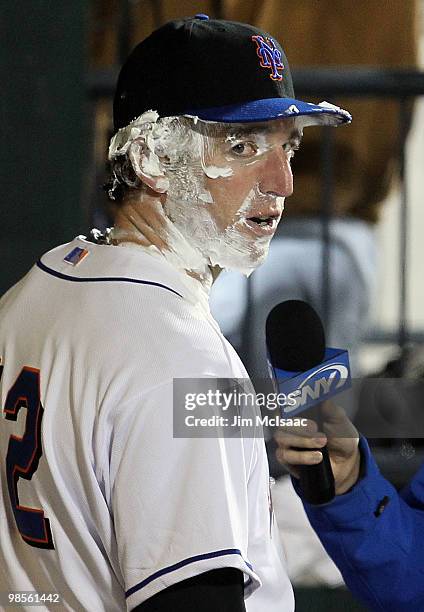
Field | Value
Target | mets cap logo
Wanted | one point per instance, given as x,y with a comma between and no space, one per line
269,55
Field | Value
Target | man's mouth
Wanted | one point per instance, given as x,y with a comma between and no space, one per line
262,221
263,225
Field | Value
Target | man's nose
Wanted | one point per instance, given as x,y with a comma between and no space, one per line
277,177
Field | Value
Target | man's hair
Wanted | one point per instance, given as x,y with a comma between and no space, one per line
121,178
170,140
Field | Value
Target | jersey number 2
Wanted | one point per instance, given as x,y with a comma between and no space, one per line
23,455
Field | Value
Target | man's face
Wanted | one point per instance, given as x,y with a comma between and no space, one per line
231,198
255,159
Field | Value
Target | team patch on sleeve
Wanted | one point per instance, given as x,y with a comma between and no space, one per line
76,256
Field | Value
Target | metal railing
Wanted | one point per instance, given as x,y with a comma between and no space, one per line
343,81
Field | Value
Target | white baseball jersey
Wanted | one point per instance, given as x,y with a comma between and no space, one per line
98,501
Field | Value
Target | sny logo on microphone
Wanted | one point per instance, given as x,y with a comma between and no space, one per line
315,385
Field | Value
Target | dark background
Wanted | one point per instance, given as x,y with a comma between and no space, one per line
44,130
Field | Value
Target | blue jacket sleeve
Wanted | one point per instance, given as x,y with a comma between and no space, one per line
375,536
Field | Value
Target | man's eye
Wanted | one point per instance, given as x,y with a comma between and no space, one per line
244,149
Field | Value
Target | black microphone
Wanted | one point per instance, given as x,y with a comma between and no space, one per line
296,343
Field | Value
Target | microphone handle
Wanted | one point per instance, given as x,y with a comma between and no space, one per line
317,481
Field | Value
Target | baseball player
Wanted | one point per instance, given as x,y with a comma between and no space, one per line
101,506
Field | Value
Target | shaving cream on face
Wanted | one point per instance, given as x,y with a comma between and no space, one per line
165,149
234,247
123,138
179,156
216,172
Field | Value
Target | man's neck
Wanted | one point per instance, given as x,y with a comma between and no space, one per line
140,221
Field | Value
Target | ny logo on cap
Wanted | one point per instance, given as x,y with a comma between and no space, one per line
269,55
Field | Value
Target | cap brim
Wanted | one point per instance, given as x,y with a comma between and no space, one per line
275,108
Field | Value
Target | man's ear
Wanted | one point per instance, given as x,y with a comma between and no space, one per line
147,166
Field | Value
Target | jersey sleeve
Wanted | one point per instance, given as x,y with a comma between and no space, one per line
375,537
179,505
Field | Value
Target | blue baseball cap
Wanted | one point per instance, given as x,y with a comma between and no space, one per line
216,70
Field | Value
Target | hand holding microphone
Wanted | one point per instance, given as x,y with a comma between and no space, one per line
296,343
299,448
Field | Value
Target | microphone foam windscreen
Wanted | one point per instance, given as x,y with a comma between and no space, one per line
295,336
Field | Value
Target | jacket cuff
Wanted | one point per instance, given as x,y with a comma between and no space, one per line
367,497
